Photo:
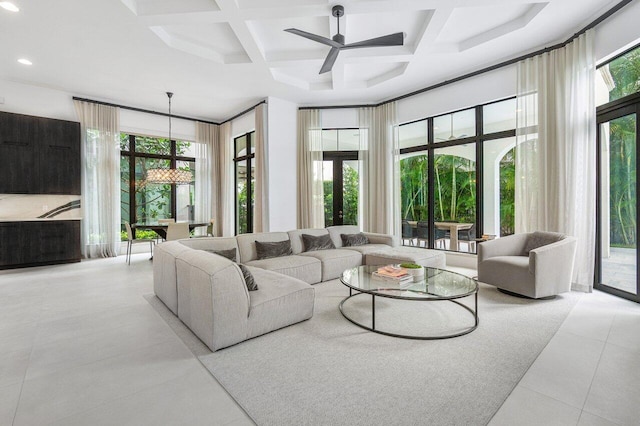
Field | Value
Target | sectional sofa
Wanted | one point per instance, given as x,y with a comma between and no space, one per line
209,295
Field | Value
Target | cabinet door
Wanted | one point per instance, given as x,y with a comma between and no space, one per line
59,152
14,248
19,168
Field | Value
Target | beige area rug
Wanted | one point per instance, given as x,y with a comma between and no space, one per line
327,371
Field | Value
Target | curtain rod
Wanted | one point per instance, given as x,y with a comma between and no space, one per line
130,108
591,25
264,101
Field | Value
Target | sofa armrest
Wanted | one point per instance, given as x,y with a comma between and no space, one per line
387,239
213,300
554,262
512,245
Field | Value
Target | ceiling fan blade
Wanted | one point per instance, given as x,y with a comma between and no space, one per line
313,37
396,39
331,59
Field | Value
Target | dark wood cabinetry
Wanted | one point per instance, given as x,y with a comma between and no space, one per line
39,243
39,155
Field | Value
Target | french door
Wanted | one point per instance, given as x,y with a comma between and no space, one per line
617,207
340,175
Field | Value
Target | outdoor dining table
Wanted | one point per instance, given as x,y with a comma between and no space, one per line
452,227
161,228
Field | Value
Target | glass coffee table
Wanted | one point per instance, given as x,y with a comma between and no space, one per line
436,285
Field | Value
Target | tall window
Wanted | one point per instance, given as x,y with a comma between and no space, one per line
618,112
459,168
142,201
244,160
340,176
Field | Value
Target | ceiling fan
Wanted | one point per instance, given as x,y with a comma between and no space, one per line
337,41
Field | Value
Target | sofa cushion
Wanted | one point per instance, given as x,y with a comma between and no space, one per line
539,239
248,278
295,236
352,240
336,231
267,250
279,302
247,243
229,254
312,243
307,269
368,248
336,261
420,256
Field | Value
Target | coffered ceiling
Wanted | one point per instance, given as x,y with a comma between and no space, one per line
221,56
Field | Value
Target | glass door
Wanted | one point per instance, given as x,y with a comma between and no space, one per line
341,188
617,262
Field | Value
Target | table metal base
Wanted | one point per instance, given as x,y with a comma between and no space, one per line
474,313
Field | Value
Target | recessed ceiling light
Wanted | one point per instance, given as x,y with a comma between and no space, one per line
9,6
24,61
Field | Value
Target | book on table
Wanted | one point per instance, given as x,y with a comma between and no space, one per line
392,273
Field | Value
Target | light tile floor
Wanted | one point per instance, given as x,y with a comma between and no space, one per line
80,345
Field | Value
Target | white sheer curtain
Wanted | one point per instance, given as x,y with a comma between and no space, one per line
100,133
310,191
555,150
225,210
261,196
206,143
380,169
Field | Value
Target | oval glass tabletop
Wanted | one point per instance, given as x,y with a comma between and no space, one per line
436,284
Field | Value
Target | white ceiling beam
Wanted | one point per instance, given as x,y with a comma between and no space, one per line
503,29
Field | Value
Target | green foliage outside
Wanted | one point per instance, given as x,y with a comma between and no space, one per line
349,197
455,189
414,187
455,186
622,154
508,193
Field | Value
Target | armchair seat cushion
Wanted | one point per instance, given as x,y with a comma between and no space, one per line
305,268
508,273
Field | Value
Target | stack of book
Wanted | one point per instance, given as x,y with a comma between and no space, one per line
392,274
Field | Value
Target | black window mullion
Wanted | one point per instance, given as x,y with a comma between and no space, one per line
479,173
133,218
431,184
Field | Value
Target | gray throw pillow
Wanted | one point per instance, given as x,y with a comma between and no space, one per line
313,243
229,254
248,278
275,249
352,240
538,239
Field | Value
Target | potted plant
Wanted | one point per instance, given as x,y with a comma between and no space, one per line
413,269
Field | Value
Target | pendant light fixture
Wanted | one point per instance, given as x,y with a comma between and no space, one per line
169,176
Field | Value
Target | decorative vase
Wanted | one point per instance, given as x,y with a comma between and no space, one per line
418,274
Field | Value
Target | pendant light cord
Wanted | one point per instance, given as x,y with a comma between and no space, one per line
169,94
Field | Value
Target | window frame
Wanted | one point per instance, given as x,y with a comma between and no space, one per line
478,140
249,156
132,154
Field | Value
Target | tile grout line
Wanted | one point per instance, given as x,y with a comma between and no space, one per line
604,346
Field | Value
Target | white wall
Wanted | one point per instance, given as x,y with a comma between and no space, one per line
339,118
244,124
483,88
618,32
51,103
282,116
